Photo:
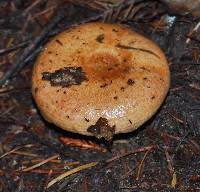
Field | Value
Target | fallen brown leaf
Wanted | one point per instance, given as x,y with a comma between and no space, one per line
82,144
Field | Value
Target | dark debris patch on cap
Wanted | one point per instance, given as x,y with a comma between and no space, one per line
100,38
65,77
102,129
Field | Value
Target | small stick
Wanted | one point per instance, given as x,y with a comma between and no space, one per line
194,30
130,187
8,110
21,61
21,65
195,144
170,136
44,11
128,11
176,88
28,9
169,161
93,18
46,171
85,184
26,23
47,180
41,163
6,89
142,149
170,168
13,48
39,160
15,149
176,118
24,153
9,89
195,86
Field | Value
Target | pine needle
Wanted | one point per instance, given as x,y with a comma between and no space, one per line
70,172
15,149
174,180
41,163
141,165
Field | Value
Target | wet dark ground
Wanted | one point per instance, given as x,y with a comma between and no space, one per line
173,164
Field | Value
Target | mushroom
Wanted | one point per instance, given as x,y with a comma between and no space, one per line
100,79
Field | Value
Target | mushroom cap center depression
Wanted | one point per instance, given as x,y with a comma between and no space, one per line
106,66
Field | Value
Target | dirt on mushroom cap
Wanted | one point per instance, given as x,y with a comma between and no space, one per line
125,85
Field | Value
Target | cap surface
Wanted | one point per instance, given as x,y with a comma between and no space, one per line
100,79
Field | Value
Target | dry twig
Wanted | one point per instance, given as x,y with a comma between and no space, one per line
20,63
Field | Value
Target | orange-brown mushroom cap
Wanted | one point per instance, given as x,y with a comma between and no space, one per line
100,79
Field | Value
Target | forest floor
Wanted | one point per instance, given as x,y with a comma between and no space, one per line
162,155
